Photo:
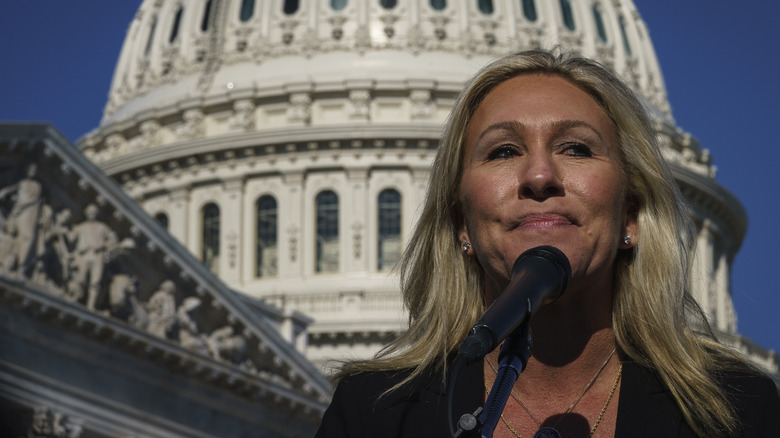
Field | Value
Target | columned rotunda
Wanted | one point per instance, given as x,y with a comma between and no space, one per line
287,143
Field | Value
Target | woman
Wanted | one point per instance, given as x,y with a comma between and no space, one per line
547,150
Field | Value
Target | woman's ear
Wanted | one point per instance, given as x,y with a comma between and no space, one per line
630,227
465,241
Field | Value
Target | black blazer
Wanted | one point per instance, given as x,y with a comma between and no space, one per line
645,409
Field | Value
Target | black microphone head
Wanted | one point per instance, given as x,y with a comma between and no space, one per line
551,254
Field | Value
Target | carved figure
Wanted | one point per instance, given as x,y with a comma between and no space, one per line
123,301
161,310
225,344
22,222
189,332
94,241
58,238
48,424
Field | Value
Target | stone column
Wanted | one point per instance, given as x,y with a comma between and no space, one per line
355,207
178,214
232,227
290,233
703,270
727,317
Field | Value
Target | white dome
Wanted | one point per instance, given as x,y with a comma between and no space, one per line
210,51
221,104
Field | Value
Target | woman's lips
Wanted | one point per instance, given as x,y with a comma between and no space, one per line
544,221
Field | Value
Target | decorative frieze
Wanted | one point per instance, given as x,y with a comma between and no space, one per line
298,111
243,117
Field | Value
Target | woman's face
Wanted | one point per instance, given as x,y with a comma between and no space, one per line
541,167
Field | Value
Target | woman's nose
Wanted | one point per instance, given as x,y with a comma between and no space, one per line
540,179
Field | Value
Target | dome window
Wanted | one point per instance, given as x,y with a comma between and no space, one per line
626,43
389,229
327,205
599,24
567,14
162,219
338,5
485,6
529,10
209,253
388,4
150,40
438,5
290,7
247,10
204,23
267,225
176,23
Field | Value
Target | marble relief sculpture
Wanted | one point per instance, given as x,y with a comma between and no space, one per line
161,311
21,241
94,244
82,262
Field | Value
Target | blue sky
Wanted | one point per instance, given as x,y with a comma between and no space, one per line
720,61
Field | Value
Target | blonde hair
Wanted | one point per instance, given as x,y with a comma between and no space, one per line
654,314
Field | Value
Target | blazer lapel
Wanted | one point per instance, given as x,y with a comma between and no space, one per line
646,408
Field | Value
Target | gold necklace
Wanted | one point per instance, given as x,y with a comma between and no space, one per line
551,432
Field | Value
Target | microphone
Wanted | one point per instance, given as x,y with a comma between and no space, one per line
539,276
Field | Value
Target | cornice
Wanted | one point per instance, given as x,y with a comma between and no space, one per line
417,142
36,301
709,199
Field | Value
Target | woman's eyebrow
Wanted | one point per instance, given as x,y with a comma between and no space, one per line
558,127
561,126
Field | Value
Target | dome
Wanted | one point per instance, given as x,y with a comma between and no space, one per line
287,143
208,51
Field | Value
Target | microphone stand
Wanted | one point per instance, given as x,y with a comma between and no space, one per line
512,360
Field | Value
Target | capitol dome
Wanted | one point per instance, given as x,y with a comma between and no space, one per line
287,143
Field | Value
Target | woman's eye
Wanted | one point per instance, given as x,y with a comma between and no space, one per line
501,152
577,150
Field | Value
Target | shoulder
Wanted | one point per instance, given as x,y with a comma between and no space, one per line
756,400
373,404
377,391
361,403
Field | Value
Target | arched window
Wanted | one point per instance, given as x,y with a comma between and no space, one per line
438,4
623,33
485,6
529,10
267,226
602,31
568,16
176,23
338,5
389,229
388,4
209,253
162,219
327,206
152,29
290,7
247,10
204,23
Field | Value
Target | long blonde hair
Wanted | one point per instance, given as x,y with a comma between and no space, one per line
652,308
